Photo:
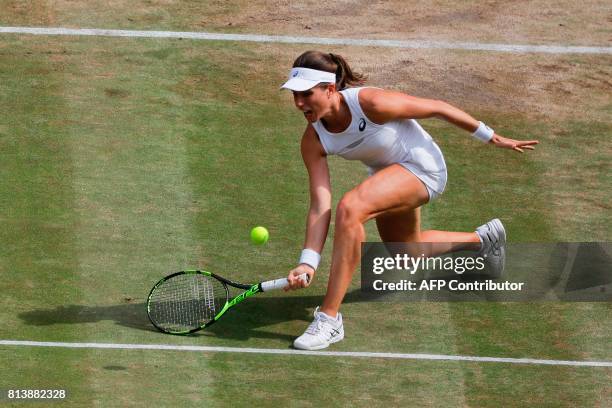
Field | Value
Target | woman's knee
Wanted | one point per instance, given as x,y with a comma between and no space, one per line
350,209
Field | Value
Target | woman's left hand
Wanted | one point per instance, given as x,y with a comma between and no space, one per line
517,145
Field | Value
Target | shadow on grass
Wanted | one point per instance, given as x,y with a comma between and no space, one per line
242,323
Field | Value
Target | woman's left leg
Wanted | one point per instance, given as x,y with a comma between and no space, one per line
405,226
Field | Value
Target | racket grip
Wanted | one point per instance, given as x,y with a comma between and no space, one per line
280,283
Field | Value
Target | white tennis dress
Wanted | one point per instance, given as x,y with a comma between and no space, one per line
378,146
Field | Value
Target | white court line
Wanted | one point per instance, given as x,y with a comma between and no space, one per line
362,354
517,48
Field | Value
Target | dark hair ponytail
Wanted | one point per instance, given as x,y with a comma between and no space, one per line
334,63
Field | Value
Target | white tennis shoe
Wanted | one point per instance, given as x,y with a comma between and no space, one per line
493,238
323,331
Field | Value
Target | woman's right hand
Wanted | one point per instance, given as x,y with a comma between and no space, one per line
295,282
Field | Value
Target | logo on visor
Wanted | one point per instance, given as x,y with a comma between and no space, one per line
295,74
362,125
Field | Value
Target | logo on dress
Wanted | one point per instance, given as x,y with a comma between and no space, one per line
362,125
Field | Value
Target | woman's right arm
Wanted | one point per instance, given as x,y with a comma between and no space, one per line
319,212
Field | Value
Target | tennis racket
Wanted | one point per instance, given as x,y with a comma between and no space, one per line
188,301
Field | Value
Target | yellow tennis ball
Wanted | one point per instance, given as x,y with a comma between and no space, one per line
259,235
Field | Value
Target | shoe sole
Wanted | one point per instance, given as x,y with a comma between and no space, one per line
501,232
499,228
322,346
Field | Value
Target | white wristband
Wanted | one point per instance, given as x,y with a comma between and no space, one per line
310,257
483,133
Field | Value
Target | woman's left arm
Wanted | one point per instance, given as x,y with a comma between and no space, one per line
383,106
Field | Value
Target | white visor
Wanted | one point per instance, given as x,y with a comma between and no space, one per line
301,79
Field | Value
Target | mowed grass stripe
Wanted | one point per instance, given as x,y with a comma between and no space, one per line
518,189
133,188
244,151
38,255
475,193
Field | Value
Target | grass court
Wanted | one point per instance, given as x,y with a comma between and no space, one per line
124,159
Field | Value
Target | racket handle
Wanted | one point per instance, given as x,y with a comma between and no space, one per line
280,283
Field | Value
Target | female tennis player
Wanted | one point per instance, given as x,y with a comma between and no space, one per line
407,170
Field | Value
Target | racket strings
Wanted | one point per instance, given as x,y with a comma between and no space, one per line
186,302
